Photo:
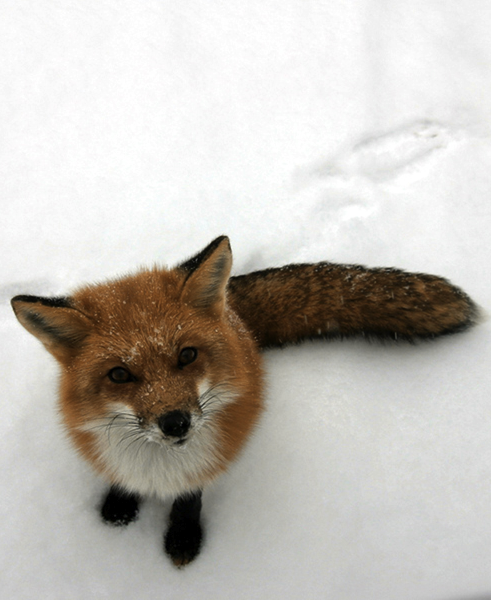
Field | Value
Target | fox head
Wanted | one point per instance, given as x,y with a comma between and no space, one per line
160,381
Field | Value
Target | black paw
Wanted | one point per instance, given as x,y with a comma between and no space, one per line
183,541
120,508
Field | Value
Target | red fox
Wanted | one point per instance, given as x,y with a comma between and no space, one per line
161,377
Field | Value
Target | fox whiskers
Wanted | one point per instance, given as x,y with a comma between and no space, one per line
215,398
118,428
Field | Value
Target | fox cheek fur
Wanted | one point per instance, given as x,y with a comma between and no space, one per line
161,377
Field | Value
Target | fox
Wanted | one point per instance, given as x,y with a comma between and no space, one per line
161,374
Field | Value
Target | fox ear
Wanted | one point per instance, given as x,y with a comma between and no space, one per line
207,275
59,326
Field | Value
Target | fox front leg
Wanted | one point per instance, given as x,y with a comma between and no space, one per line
184,535
120,507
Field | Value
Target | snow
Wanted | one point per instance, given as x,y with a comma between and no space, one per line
133,132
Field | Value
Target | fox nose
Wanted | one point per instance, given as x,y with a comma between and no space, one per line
175,423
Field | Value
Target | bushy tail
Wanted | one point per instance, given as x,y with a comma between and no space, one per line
302,301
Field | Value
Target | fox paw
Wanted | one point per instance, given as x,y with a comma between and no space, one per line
183,542
120,508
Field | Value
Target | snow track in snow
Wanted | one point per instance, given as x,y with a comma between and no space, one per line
408,150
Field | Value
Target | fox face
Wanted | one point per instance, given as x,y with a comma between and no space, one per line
160,381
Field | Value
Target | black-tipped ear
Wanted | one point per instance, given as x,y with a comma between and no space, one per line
59,326
207,275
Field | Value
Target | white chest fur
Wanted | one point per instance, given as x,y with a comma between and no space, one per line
142,461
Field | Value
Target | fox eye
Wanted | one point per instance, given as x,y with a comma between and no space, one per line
187,356
120,375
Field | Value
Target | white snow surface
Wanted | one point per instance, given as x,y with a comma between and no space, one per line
133,133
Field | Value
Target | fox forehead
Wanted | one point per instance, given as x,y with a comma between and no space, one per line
147,303
145,292
142,316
